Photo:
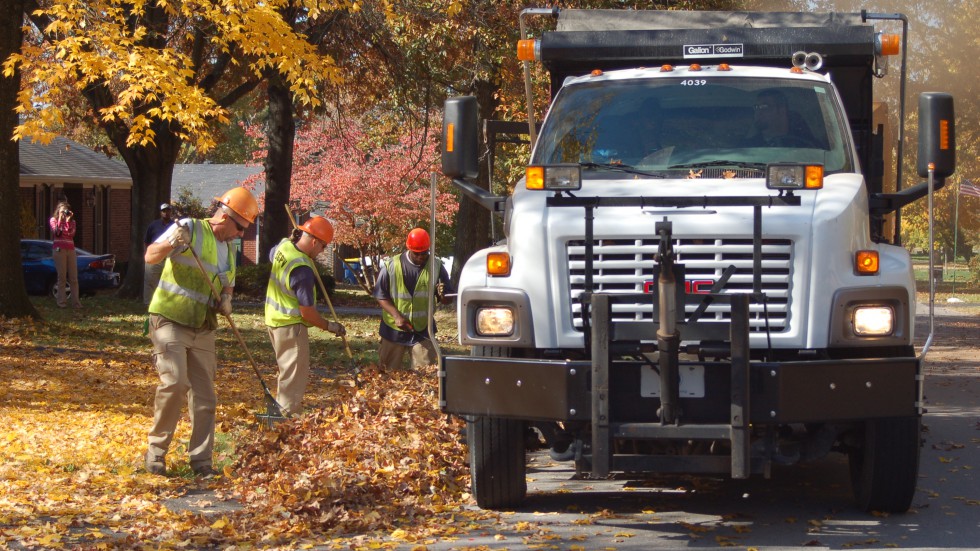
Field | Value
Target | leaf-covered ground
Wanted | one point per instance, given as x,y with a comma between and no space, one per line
369,466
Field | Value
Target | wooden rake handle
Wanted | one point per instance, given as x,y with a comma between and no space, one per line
231,322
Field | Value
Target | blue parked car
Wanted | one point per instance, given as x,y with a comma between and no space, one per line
95,271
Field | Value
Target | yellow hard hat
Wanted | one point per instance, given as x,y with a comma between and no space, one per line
242,202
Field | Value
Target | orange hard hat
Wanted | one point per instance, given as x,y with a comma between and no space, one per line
418,240
242,202
319,227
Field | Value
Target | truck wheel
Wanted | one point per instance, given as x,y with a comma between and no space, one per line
885,468
498,466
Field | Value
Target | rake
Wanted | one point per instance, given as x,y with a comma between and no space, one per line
273,411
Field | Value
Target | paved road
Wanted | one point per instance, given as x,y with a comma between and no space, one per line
808,506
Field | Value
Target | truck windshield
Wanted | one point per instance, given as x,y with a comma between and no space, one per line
730,126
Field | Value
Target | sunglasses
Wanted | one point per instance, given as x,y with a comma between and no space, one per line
240,227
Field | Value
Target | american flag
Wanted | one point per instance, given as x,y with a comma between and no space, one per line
966,188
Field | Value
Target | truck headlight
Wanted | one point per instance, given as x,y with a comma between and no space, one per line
494,321
557,177
873,321
794,176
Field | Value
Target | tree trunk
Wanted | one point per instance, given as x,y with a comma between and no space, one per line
152,170
278,166
475,233
13,293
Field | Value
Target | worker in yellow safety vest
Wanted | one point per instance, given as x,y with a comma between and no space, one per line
290,308
402,291
182,323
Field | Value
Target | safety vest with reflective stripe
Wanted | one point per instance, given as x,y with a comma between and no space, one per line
182,294
281,304
413,304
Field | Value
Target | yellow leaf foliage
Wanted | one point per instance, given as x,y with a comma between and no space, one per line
155,80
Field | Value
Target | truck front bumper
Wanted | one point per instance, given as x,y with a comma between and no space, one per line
779,392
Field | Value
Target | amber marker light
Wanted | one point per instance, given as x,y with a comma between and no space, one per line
813,177
596,72
724,67
889,44
534,177
695,67
866,262
666,68
525,50
498,264
943,134
450,129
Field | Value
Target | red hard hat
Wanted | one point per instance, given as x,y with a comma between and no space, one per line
418,240
319,227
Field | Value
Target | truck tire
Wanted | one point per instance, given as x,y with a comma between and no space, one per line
884,470
498,466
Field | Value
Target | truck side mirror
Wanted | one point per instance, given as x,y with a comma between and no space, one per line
459,138
937,134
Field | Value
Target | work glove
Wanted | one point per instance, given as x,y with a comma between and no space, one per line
336,328
440,291
224,306
180,237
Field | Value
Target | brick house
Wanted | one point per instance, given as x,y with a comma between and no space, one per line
206,181
98,189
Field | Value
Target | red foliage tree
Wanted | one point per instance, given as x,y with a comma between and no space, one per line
374,190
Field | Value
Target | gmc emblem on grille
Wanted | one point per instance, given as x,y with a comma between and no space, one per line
691,286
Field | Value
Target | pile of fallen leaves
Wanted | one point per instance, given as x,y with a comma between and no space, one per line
374,465
378,458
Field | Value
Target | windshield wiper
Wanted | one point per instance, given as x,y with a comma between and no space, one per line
739,164
618,167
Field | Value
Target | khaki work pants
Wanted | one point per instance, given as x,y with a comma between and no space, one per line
67,268
186,362
391,355
292,346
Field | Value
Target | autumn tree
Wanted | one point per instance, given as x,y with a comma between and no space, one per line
159,75
372,188
13,293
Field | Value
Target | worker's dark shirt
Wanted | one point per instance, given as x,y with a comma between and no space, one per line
382,291
156,229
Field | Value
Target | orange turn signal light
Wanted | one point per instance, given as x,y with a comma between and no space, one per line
525,50
866,262
889,44
813,177
534,177
498,264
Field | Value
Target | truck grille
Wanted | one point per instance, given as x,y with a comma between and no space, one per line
626,266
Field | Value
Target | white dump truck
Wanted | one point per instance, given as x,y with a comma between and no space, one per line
701,270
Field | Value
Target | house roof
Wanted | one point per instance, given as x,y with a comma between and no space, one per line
207,181
64,160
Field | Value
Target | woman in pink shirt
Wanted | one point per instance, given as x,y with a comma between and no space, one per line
63,233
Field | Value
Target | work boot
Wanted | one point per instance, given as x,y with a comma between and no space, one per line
204,471
155,464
